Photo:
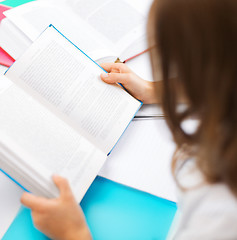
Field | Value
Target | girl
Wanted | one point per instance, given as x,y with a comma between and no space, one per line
196,39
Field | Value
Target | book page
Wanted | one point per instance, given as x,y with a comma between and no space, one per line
142,159
118,21
36,144
34,17
68,82
101,28
10,192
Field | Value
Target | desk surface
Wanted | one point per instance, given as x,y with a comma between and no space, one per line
113,211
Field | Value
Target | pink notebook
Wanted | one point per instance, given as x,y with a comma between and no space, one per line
5,59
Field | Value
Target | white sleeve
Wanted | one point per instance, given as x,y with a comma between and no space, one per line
208,212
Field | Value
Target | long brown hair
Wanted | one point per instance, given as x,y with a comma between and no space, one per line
198,40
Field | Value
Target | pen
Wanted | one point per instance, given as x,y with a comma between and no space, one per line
119,61
136,55
147,117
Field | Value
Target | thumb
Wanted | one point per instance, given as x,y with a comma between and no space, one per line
32,201
63,186
111,78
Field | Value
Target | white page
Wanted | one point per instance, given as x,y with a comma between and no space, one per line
34,17
118,21
142,159
10,192
9,202
12,40
45,144
66,80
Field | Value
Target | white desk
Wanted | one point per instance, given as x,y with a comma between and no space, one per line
133,161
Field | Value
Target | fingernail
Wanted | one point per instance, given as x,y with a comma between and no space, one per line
104,75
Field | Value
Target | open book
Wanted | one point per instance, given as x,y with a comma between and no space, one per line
105,29
59,117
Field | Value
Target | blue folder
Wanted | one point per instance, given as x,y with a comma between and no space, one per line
113,211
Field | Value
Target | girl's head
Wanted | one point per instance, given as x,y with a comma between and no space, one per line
197,40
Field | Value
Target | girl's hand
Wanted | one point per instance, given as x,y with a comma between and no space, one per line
136,86
60,218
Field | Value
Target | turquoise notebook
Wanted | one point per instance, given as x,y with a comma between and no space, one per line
113,211
15,3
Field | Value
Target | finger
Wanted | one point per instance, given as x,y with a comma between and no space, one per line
115,67
111,78
62,185
33,202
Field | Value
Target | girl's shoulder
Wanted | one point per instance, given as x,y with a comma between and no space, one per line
206,211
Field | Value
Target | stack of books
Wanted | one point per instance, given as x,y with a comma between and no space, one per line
105,31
